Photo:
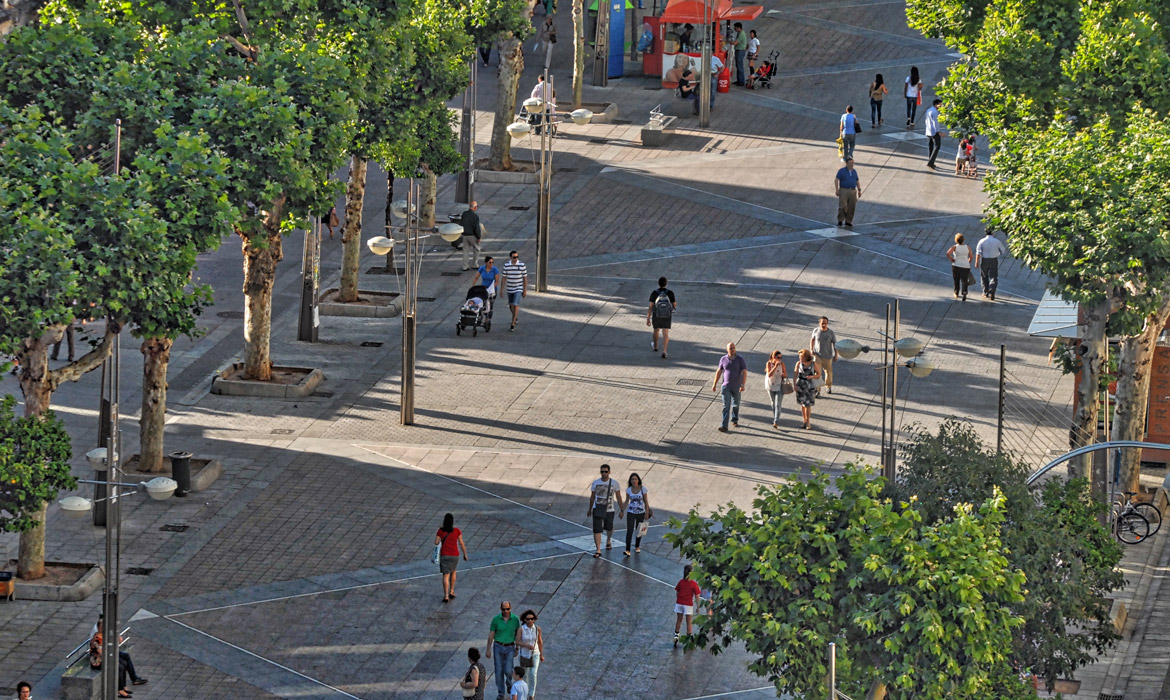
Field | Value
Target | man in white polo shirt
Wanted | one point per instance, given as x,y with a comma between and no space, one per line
516,284
987,253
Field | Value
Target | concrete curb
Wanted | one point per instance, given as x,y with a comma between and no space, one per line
504,177
247,387
91,581
201,476
384,305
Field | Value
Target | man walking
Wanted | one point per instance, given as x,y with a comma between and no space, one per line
502,643
471,236
661,311
516,284
848,188
602,493
848,133
716,66
987,252
823,345
741,44
933,135
733,373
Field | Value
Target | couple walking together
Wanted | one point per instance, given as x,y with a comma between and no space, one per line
604,493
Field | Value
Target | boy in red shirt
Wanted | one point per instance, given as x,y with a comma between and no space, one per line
684,602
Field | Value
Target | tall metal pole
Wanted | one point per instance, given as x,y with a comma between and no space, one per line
885,391
543,200
832,671
466,136
601,44
999,419
705,70
99,489
892,468
409,304
309,320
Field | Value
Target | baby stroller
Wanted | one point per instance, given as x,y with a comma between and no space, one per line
764,73
476,311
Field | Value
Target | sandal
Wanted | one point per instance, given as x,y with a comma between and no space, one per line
609,545
452,595
125,694
637,549
446,599
597,555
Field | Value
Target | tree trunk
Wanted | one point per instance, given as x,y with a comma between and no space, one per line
1135,357
877,691
578,52
1092,354
30,563
36,381
430,192
262,252
351,232
511,66
156,353
389,216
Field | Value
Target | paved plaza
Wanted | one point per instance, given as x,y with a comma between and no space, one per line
304,570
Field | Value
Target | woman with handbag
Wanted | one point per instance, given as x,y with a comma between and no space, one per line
530,645
960,256
806,386
637,509
877,93
475,679
777,384
448,542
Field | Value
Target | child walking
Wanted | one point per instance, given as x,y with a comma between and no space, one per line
684,602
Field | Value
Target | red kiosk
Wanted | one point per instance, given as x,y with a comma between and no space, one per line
671,53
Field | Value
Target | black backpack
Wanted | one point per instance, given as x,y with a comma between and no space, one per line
662,305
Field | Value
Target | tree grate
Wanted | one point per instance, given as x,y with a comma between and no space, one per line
426,299
1110,696
652,87
566,170
322,394
370,344
174,527
598,140
281,431
692,382
623,121
452,274
383,271
139,571
231,314
518,208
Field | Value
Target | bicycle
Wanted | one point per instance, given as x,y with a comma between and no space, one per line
1147,510
1129,526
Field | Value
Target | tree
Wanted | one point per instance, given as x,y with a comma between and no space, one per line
34,465
1034,77
918,609
506,22
578,51
1051,533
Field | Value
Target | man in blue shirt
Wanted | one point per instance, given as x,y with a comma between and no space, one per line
848,132
848,187
733,373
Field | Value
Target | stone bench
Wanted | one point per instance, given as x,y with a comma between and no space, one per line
659,128
80,682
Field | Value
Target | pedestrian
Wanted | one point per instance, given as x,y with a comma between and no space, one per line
330,220
987,252
125,664
823,346
487,275
502,642
806,392
961,156
68,337
732,371
970,162
934,136
848,132
636,512
716,66
24,690
753,53
659,315
741,49
775,379
476,677
912,91
450,541
519,689
548,34
848,187
515,283
877,93
686,591
602,493
960,256
530,645
688,87
472,236
485,53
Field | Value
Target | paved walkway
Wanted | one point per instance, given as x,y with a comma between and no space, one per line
303,571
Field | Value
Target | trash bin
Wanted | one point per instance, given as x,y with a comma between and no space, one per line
181,472
725,79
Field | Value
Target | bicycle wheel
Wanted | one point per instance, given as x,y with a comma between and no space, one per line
1151,513
1131,528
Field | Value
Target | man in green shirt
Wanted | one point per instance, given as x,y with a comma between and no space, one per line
502,643
741,44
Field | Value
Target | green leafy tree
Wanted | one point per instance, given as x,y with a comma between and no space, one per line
34,465
1051,534
918,609
506,23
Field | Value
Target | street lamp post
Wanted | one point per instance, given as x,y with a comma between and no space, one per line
705,86
892,349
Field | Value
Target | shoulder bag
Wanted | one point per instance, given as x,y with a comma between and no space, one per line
468,692
788,388
438,548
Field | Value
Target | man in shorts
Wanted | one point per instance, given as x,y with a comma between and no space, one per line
516,282
686,591
823,345
602,493
658,316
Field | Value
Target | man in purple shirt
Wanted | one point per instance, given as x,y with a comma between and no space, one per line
733,371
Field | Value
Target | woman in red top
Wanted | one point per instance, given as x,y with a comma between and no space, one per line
684,602
451,539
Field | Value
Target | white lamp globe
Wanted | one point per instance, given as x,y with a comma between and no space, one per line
161,488
848,348
908,347
380,245
533,105
97,459
518,129
451,232
581,116
75,506
398,208
921,366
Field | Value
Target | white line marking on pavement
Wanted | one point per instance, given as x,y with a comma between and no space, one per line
670,256
832,232
142,614
733,692
361,585
270,661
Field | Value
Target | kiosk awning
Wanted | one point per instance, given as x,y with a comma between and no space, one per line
1054,318
743,14
692,11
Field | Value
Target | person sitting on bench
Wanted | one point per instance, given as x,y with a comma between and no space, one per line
125,664
688,89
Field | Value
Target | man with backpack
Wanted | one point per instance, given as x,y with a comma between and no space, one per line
658,316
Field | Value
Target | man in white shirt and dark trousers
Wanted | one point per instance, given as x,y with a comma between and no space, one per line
933,135
516,284
987,253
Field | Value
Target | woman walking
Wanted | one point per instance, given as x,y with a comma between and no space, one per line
450,539
775,376
912,90
806,394
877,93
530,644
476,677
637,509
960,256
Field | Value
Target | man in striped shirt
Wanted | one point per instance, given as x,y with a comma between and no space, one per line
516,283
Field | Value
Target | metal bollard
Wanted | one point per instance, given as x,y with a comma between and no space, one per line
181,472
